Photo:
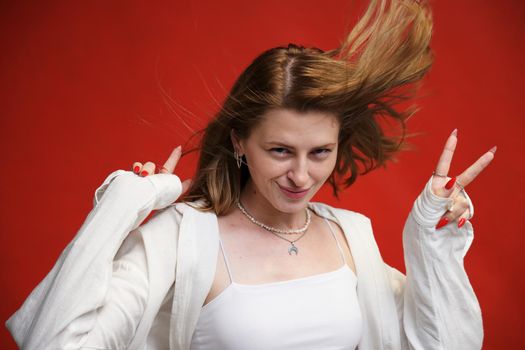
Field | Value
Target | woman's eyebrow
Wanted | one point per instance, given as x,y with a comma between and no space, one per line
277,143
281,144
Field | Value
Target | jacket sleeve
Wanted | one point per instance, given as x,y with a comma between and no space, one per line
102,268
436,303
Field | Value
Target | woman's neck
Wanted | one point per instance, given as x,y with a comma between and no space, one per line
263,211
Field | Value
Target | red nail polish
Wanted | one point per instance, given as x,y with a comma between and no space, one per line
461,222
442,223
143,173
450,183
136,169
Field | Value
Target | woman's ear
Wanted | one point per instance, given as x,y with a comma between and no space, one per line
236,142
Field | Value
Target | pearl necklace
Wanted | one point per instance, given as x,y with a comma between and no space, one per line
276,231
273,229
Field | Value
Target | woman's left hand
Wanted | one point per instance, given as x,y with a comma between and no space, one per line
448,187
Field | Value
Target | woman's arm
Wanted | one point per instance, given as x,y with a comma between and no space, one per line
63,308
436,303
440,309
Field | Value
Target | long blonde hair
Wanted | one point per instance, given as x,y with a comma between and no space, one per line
361,82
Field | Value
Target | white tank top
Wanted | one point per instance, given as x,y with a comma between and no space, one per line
313,312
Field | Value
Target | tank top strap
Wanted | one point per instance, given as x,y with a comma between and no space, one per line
225,260
336,240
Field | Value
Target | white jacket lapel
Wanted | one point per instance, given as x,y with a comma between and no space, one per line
198,247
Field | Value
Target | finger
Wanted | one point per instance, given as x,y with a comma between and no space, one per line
445,159
472,171
161,169
186,185
148,169
463,218
446,190
137,166
459,205
173,159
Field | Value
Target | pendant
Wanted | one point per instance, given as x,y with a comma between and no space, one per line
293,249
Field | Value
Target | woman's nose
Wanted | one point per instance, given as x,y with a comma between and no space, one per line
298,174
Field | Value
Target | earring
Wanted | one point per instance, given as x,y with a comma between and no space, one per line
238,158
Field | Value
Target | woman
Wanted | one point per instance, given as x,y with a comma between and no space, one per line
245,261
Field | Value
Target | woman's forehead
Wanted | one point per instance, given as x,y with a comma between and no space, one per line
282,125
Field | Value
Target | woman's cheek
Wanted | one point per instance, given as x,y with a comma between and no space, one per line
323,171
276,169
267,170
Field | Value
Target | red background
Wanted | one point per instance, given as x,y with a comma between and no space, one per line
84,91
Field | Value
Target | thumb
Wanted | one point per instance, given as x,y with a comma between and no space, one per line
449,187
186,184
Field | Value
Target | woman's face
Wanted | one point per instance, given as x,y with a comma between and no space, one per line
290,155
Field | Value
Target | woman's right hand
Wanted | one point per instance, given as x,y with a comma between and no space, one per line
149,168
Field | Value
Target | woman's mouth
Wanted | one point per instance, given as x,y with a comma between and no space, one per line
293,194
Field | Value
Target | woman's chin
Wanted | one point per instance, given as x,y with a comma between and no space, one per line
290,206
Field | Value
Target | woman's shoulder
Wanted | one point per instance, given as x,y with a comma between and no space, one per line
175,213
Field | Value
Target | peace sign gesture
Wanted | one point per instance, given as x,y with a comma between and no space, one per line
445,186
150,168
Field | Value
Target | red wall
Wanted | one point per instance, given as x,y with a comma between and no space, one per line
81,96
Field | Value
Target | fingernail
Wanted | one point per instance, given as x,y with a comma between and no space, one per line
450,183
143,173
461,222
442,223
455,132
179,148
136,169
493,149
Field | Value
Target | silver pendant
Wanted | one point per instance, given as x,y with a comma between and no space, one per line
293,249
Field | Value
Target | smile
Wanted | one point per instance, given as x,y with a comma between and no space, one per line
294,194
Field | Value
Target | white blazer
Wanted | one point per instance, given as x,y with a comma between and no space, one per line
119,285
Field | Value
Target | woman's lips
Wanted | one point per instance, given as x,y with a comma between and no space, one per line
294,194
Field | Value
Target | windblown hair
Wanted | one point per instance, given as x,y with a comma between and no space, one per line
361,82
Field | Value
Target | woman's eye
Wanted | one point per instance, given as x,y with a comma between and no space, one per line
279,150
322,151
